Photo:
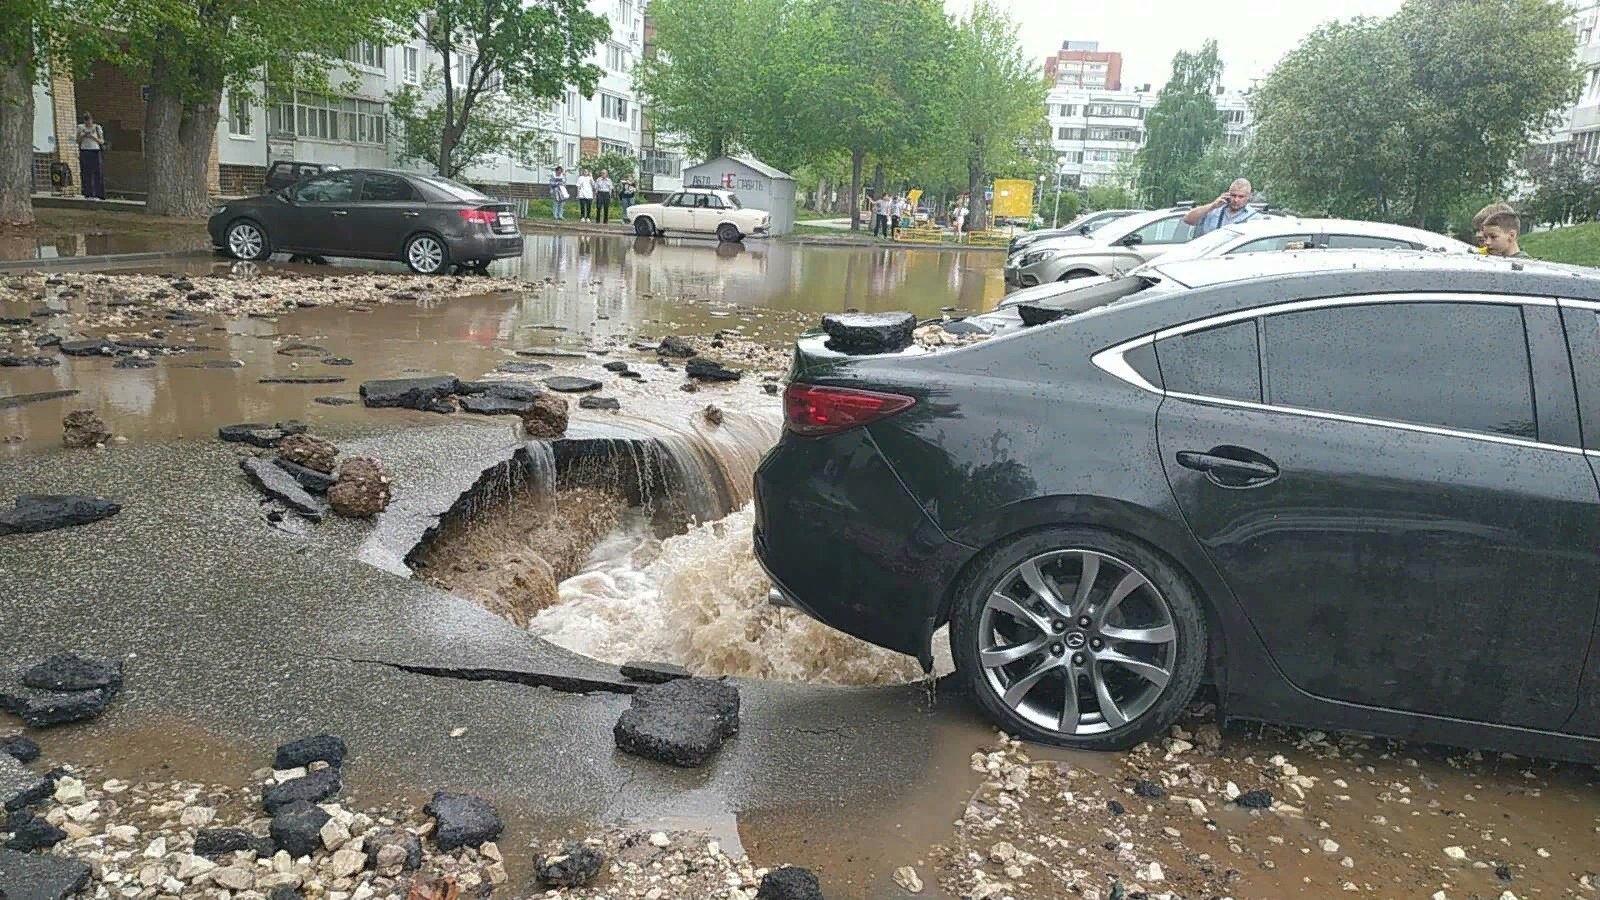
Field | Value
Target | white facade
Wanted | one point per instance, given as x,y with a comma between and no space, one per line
355,129
1098,132
1580,123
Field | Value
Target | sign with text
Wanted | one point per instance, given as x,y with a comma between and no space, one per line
729,181
1013,198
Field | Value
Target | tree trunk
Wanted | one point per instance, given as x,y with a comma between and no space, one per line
977,213
858,157
815,205
877,180
177,146
16,136
449,139
717,145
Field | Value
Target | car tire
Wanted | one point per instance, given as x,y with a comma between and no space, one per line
728,233
427,254
1134,642
246,239
643,227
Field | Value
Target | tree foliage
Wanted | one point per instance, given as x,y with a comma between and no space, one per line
1398,118
1182,128
619,165
529,52
1564,187
191,50
709,92
497,126
992,105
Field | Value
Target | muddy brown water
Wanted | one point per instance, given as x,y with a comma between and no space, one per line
599,289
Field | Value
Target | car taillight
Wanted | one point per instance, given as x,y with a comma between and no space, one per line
485,216
812,410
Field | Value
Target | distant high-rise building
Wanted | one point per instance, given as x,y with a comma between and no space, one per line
1082,64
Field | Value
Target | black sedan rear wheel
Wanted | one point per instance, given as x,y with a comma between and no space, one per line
246,239
1080,638
427,254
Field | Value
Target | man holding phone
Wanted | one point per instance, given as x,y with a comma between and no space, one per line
1228,209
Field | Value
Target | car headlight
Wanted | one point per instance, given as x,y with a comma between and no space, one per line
1037,256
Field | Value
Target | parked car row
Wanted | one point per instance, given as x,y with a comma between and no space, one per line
1127,241
1353,489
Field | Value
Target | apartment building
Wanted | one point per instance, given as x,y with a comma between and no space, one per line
352,127
1580,123
1096,133
1082,64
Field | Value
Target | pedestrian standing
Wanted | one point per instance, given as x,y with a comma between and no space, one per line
91,138
602,196
883,208
961,219
626,194
585,194
558,190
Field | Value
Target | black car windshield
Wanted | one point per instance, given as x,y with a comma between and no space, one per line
452,189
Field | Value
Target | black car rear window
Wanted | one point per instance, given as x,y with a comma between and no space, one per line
454,190
1222,362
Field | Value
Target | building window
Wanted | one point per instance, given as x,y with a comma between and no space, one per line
614,108
624,20
1125,135
1114,111
365,53
1233,116
572,104
1069,134
322,118
463,67
654,162
614,147
1072,157
572,154
413,65
616,58
239,121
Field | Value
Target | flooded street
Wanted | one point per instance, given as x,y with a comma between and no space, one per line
629,538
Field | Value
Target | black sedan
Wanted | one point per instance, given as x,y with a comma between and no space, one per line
429,223
1354,489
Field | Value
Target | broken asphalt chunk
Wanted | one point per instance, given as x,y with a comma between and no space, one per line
682,723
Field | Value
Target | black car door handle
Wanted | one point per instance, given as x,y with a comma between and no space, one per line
1230,466
411,215
341,212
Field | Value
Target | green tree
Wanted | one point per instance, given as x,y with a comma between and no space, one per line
1182,127
530,52
1108,196
498,126
1564,187
35,34
191,50
707,91
1399,118
620,165
873,71
992,105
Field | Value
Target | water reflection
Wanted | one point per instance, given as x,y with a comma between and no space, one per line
771,274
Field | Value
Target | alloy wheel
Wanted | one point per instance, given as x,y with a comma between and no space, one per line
1077,642
245,241
425,254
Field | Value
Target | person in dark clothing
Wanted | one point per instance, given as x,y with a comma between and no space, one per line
602,197
91,140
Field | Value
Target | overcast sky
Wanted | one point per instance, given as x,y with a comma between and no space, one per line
1251,34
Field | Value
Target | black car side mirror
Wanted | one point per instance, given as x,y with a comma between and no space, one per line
1131,240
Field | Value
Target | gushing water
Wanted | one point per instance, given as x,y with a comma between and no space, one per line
700,600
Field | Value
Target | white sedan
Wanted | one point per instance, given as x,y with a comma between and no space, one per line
699,211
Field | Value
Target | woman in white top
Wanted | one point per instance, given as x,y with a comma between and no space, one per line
90,140
585,194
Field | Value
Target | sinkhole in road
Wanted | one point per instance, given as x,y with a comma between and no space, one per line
635,544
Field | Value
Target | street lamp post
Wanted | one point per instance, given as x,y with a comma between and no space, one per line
1055,217
1040,205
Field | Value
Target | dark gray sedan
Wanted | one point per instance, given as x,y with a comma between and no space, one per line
427,222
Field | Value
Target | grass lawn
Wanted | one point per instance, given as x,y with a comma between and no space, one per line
1576,244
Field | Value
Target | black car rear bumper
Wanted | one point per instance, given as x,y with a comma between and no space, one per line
486,246
844,542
